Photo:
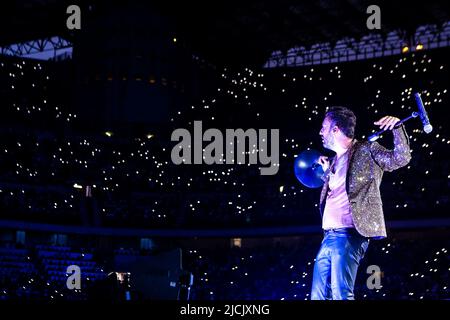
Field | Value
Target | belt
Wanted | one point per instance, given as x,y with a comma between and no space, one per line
340,230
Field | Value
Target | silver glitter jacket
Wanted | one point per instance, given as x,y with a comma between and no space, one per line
366,165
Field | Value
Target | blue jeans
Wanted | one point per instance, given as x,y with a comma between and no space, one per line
337,263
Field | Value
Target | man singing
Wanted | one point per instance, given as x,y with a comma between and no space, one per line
350,202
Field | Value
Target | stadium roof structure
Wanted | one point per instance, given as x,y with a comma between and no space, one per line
240,32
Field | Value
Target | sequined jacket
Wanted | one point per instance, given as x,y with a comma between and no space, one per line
366,165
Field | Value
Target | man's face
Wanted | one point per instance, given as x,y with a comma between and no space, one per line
328,138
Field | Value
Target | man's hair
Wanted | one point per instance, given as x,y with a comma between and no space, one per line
344,119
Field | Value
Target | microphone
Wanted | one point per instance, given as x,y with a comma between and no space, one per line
427,127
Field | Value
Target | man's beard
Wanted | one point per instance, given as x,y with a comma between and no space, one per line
329,143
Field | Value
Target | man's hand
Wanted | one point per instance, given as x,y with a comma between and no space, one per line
324,162
387,122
